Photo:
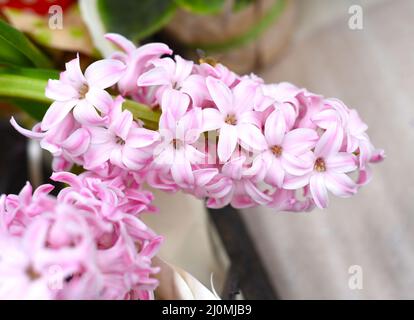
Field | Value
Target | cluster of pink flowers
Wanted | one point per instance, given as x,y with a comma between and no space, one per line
88,243
222,137
225,138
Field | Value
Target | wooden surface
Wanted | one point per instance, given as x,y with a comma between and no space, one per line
308,255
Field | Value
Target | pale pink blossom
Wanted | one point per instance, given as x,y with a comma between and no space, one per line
84,94
138,60
179,130
234,117
66,248
175,74
329,170
120,142
284,152
243,193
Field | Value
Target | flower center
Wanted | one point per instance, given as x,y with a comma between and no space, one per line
120,141
320,165
276,150
83,90
231,119
209,60
176,143
32,274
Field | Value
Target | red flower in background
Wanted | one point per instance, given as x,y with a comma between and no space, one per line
38,6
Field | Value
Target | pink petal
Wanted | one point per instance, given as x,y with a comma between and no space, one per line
100,99
167,124
97,155
176,102
275,128
318,190
276,174
221,94
121,125
60,91
77,143
164,157
204,176
189,126
234,168
298,165
378,155
340,184
296,182
300,140
181,170
100,135
250,117
27,133
227,142
258,196
56,113
290,114
147,52
68,178
195,86
251,137
212,119
121,42
154,77
330,142
244,94
104,73
194,156
341,162
183,68
364,176
325,118
141,137
74,72
134,159
116,157
85,113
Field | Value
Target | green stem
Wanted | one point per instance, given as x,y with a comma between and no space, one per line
33,89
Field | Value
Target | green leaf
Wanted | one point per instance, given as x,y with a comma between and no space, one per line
250,35
135,19
24,88
34,109
44,74
16,49
241,4
202,6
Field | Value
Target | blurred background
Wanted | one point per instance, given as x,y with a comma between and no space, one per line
361,52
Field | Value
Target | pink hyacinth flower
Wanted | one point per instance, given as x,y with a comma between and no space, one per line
284,150
170,74
82,93
179,129
329,169
136,59
121,142
234,116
